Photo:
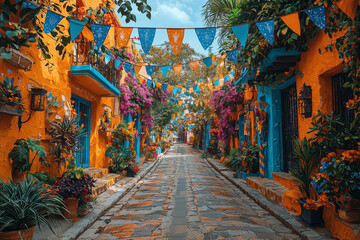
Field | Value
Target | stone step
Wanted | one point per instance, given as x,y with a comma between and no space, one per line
96,172
269,188
105,182
285,179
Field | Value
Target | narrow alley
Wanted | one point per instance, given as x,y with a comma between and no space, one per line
184,198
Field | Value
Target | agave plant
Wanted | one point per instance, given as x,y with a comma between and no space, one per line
64,134
26,204
307,165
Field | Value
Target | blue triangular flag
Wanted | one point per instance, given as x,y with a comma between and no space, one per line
164,70
107,58
127,67
187,88
207,61
154,83
232,55
116,63
150,70
146,36
164,86
267,30
317,15
148,82
194,87
206,36
75,28
52,19
100,33
216,83
227,78
28,4
241,32
175,89
132,70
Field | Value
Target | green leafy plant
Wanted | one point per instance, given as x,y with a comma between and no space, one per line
10,94
250,158
331,134
307,165
26,204
64,134
43,177
20,154
234,162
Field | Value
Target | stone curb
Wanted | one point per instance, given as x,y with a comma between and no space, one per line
276,210
83,224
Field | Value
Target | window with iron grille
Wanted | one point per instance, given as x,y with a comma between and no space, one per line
341,96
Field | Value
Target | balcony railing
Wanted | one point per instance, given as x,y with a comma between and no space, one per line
81,56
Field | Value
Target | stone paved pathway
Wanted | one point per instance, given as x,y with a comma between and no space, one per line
185,199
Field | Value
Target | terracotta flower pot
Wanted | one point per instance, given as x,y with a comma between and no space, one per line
19,234
72,205
350,212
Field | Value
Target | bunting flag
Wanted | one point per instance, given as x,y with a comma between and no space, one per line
170,88
293,22
206,36
164,70
195,87
132,70
317,15
137,69
107,58
154,83
348,7
187,88
232,55
150,70
52,19
241,32
175,89
176,36
207,61
227,78
149,83
117,63
194,65
146,36
164,86
216,83
75,28
124,36
267,29
158,85
127,67
177,69
100,33
28,4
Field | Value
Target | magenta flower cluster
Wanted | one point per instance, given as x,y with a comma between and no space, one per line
159,96
135,97
224,102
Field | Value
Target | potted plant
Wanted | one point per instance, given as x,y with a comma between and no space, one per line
74,186
25,204
23,155
10,98
132,169
339,180
307,166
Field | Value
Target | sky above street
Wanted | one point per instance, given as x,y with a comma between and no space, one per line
172,14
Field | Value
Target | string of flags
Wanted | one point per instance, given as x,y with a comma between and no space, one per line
205,35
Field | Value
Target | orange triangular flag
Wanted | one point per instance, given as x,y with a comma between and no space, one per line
292,21
348,7
176,36
158,85
177,68
137,69
124,36
194,65
170,88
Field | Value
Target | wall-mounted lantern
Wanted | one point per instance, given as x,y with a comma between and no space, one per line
38,99
305,101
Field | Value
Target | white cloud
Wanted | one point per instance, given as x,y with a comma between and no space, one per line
175,12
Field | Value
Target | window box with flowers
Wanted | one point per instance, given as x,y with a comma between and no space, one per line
10,98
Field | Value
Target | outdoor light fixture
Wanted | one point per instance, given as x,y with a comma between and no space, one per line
305,101
38,99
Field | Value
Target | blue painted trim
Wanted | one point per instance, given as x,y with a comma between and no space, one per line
87,147
89,70
127,119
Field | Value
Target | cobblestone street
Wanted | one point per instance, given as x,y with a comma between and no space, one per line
185,199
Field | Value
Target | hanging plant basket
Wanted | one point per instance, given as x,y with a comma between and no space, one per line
19,59
11,110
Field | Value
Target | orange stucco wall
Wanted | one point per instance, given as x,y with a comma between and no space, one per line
58,80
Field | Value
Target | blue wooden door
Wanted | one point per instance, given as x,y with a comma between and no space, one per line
82,150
